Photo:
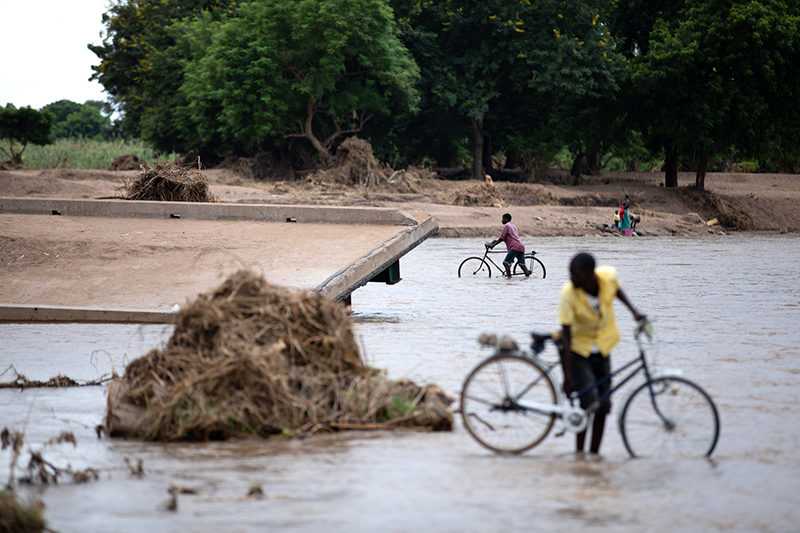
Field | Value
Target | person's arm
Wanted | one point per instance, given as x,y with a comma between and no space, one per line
566,359
624,299
498,240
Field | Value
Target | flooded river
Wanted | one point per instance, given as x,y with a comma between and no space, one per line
726,310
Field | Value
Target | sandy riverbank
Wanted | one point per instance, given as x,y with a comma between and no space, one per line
546,209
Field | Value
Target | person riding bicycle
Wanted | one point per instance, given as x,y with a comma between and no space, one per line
514,245
589,333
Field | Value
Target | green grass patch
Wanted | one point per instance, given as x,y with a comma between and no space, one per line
17,516
87,154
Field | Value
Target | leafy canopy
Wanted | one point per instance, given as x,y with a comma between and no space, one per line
719,74
310,69
488,60
22,126
73,120
139,67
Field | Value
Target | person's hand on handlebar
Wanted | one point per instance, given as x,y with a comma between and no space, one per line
644,326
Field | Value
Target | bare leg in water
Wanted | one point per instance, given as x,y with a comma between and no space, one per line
598,426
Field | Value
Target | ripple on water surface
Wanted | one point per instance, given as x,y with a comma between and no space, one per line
725,310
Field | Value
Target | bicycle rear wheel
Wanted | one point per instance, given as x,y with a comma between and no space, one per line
690,427
503,403
537,269
474,267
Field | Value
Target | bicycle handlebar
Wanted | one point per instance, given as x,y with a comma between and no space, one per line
541,338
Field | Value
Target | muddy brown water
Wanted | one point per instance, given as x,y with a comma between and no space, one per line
726,310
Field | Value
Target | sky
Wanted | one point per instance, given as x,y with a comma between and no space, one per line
45,58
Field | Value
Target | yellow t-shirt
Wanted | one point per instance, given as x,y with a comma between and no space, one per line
587,327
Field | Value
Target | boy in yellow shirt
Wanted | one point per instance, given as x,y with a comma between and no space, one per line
589,333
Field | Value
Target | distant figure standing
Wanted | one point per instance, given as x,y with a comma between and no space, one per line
624,215
516,250
589,333
616,220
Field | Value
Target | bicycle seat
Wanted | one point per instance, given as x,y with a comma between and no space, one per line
540,338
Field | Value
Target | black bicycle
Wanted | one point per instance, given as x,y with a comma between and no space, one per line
482,266
512,399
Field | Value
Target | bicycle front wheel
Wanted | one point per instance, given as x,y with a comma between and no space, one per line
504,403
678,420
474,267
537,269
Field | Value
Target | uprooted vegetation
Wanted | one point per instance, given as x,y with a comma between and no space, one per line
22,382
254,359
711,205
355,165
527,194
169,182
39,470
481,195
127,162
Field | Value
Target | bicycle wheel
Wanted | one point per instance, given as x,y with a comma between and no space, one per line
690,427
537,269
474,267
497,403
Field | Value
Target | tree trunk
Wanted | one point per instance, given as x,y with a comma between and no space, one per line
577,167
671,164
700,180
477,153
487,153
593,163
308,133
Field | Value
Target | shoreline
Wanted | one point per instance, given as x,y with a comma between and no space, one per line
540,209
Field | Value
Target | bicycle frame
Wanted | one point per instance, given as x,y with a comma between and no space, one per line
560,411
511,401
487,251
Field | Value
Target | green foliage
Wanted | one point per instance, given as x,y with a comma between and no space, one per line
512,70
22,126
61,110
747,166
78,120
634,80
139,67
310,69
89,154
720,73
400,406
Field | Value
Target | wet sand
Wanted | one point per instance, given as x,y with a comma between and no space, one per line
770,198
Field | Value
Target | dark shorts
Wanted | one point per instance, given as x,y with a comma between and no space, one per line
520,256
586,371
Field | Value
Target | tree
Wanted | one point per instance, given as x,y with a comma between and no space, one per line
77,120
139,66
481,56
61,109
23,126
721,74
294,69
